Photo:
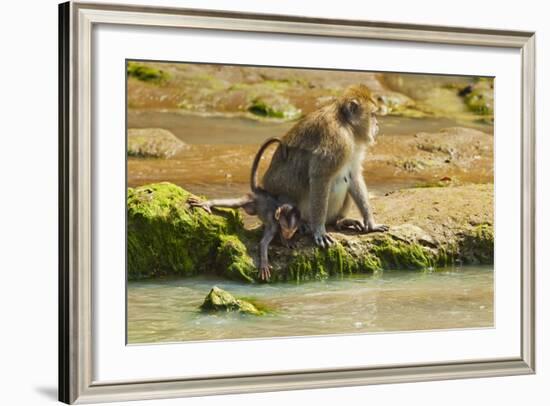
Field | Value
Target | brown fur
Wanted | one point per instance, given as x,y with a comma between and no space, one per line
321,167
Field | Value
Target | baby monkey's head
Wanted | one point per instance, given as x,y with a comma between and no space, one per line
288,217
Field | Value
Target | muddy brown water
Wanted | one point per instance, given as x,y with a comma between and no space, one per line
221,149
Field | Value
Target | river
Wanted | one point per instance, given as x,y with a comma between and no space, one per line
449,298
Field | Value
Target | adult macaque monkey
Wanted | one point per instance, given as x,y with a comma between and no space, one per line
320,166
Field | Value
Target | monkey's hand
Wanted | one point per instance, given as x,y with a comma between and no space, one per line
322,239
265,272
194,202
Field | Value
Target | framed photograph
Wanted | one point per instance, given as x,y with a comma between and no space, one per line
261,202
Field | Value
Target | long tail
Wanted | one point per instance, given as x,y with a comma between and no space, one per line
254,173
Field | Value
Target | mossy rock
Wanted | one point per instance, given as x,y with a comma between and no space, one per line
479,97
274,107
168,237
147,73
477,244
219,300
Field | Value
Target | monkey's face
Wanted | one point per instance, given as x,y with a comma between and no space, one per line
289,219
359,108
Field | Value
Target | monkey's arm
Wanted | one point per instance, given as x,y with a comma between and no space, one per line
247,202
318,201
270,229
360,195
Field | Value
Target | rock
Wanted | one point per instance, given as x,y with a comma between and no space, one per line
443,96
147,73
153,143
272,106
167,237
458,153
429,227
219,300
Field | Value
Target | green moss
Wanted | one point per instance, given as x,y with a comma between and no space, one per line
447,254
261,107
397,254
219,300
480,99
319,264
370,264
146,73
262,307
477,244
233,261
167,237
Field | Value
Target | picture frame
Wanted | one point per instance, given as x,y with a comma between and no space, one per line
76,212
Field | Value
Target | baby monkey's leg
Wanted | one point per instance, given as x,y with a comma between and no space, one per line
246,202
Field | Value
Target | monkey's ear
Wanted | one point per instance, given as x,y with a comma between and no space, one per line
278,213
351,110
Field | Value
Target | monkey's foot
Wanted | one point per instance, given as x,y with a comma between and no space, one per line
350,224
323,239
374,228
194,202
290,244
265,272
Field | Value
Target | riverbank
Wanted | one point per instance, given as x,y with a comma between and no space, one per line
429,227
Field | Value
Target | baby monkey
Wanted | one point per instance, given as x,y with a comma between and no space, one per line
278,217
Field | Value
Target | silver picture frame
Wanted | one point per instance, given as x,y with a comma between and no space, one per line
76,21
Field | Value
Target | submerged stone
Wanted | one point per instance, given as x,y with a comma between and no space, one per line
219,300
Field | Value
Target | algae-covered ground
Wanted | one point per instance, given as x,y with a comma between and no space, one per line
429,227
